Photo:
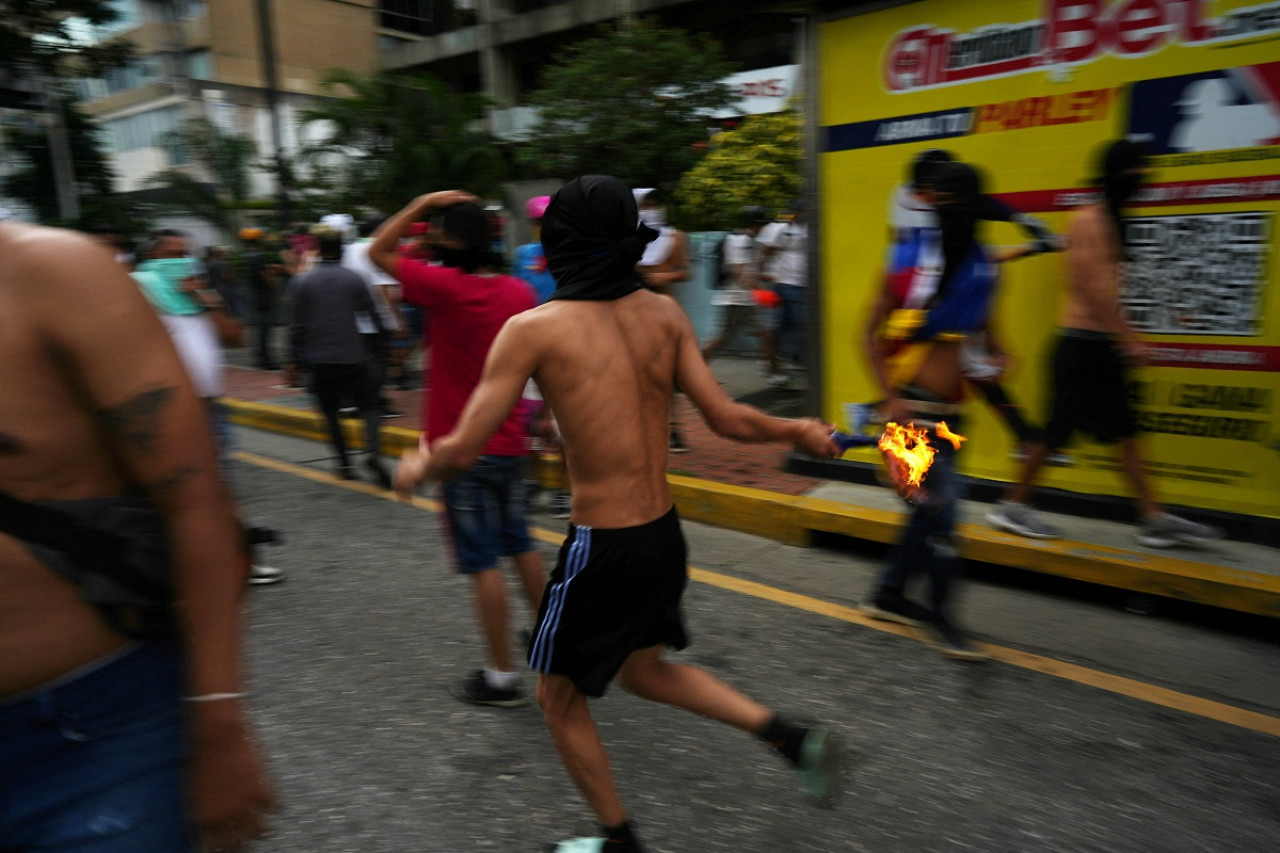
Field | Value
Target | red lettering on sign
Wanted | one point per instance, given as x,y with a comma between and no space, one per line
1074,29
1140,26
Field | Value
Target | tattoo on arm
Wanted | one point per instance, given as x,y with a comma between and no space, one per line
136,421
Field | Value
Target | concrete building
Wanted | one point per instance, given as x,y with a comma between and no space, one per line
499,47
205,58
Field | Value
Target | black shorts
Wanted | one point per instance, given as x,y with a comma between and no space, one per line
613,591
1090,392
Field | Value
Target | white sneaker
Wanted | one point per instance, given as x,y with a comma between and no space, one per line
262,575
777,380
1022,520
1167,530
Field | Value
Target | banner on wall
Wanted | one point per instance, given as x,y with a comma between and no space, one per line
1030,90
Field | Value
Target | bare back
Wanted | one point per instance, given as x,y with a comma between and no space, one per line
607,369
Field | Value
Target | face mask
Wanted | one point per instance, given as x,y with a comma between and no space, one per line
654,217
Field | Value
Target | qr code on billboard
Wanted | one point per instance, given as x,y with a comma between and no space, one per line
1202,274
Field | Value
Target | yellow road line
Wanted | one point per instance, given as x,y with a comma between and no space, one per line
1134,689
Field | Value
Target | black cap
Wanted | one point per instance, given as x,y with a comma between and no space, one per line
753,215
924,164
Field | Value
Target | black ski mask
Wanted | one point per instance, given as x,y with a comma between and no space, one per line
1120,179
591,239
958,215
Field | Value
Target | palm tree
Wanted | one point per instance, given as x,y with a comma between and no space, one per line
389,137
226,158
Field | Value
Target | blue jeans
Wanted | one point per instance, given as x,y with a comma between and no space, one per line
93,764
792,314
485,512
928,544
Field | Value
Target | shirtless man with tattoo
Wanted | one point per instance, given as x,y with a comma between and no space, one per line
98,750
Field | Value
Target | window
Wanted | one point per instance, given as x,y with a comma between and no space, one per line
142,130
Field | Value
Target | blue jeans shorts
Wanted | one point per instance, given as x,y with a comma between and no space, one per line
484,511
93,762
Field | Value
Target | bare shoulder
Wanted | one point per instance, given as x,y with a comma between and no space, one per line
43,262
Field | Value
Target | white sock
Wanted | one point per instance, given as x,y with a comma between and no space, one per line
500,680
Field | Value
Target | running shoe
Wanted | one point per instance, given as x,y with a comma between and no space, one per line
949,640
476,689
561,506
820,765
778,380
1167,530
894,607
579,845
675,443
1022,520
263,575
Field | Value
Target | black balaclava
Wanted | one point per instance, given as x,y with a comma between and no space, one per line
958,216
1119,188
591,239
467,223
924,164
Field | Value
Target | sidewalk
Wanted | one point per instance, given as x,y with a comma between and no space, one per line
746,488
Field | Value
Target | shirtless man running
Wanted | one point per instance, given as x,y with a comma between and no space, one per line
606,355
97,750
1096,349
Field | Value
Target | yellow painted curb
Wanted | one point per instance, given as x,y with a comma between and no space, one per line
793,519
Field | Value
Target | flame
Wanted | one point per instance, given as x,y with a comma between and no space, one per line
907,450
944,432
908,454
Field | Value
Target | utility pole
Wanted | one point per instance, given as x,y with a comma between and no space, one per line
266,40
64,171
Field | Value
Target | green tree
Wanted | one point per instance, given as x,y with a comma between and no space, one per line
633,103
758,162
389,137
225,158
53,39
32,182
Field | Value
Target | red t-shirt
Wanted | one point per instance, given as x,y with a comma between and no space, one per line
464,314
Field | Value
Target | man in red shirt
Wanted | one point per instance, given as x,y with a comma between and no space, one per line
467,301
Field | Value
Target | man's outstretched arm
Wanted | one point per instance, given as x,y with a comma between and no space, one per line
739,421
511,361
119,354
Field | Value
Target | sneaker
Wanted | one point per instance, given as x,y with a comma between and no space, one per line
1022,520
561,506
477,690
777,380
951,642
579,845
820,764
263,575
675,444
1166,531
389,413
348,412
894,607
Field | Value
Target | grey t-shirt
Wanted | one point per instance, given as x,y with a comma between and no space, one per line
326,302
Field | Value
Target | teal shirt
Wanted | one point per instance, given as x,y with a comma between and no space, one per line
161,281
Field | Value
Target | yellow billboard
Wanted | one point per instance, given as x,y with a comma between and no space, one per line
1028,90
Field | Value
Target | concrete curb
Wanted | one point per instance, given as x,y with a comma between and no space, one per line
793,519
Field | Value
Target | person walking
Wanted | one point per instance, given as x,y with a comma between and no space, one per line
1096,349
467,300
607,354
735,297
327,302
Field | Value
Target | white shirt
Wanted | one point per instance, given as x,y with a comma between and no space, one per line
355,256
790,259
739,249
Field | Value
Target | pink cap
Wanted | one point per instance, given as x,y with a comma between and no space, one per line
536,206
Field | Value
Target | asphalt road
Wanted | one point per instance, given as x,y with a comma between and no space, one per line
1094,730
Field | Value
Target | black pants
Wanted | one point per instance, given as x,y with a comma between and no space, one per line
335,383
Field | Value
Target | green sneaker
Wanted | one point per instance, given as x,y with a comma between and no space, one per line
819,767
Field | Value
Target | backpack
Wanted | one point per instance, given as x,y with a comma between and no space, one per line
722,275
